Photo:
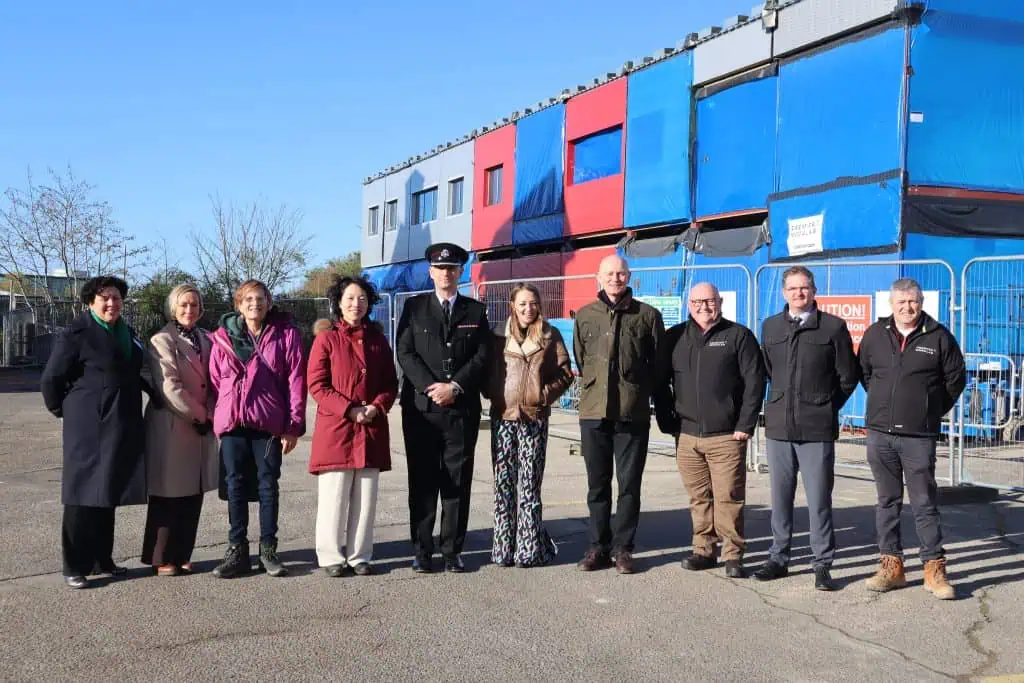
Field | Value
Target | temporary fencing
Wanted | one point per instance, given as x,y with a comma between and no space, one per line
858,292
991,451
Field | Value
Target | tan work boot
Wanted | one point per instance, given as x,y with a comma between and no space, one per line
890,575
935,581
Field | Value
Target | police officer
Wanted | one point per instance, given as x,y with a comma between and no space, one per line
442,346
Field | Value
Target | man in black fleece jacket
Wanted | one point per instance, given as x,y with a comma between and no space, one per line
711,397
913,371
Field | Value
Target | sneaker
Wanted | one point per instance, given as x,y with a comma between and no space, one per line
890,575
935,580
269,560
362,569
594,559
236,562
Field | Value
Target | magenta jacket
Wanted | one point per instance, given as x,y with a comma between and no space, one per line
268,392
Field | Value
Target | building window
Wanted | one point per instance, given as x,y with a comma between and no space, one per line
596,156
492,182
372,226
455,197
391,215
424,206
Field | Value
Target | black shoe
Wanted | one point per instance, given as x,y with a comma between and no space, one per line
236,562
453,564
335,570
362,569
771,570
110,568
421,564
269,560
734,569
76,582
696,562
823,579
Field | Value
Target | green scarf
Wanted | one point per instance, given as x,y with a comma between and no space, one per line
238,333
122,335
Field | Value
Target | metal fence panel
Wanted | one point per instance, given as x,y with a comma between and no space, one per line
398,305
991,446
858,291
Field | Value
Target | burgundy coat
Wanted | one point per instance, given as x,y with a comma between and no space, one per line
350,367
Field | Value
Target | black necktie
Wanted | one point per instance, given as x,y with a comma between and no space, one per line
446,309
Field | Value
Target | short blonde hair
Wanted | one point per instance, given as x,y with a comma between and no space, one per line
247,287
171,305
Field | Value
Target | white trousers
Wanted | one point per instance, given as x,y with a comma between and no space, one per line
345,507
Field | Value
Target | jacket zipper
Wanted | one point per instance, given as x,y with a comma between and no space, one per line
898,374
700,413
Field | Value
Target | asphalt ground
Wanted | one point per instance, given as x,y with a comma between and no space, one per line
492,623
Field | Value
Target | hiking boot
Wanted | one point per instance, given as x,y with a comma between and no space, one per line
935,581
269,560
236,562
890,575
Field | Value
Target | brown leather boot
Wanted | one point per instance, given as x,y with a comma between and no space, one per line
935,581
890,575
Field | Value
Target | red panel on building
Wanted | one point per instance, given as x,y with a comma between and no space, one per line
580,291
596,205
490,271
492,220
539,265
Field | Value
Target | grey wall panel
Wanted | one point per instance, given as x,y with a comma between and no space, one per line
396,240
371,249
730,52
810,21
439,171
422,176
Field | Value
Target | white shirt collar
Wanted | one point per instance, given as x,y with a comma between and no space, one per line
451,300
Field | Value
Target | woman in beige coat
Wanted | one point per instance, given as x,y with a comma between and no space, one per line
181,452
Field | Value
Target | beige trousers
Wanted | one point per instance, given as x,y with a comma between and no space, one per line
345,508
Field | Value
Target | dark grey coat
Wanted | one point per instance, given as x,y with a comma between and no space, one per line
90,383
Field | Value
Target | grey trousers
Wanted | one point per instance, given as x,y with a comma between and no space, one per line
815,460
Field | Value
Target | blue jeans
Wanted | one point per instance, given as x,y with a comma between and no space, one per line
239,450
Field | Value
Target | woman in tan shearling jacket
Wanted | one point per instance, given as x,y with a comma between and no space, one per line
531,371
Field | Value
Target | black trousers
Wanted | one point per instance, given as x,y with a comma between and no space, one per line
439,448
171,526
891,459
621,448
87,539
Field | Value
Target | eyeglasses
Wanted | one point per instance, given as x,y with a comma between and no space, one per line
703,303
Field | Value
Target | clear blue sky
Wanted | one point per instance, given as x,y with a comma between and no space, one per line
162,104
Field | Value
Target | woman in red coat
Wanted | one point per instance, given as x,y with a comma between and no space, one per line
351,376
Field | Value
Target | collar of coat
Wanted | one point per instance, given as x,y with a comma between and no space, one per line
623,302
529,346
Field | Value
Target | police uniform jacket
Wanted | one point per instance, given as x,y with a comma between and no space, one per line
430,352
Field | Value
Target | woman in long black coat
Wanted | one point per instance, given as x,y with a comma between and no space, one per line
94,381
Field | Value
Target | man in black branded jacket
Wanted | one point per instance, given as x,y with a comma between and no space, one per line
812,370
713,385
913,370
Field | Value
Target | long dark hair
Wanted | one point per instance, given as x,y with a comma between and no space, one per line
338,287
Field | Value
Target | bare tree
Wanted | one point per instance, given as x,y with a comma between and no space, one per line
61,225
251,241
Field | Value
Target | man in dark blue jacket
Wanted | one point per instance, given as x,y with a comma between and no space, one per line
812,371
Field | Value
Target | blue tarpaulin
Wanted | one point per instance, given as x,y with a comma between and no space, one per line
736,148
386,278
845,217
966,100
839,112
597,156
417,276
535,230
658,143
540,151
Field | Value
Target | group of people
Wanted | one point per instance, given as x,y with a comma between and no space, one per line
225,407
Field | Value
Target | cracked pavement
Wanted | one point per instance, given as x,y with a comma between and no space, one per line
661,624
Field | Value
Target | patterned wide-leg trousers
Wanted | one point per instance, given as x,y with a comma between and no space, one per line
518,450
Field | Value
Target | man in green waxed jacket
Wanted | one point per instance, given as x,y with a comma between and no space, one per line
616,342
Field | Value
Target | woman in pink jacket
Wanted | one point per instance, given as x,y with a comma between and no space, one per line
258,372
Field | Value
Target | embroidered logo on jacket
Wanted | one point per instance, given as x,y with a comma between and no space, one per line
717,343
925,349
